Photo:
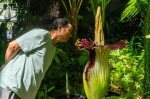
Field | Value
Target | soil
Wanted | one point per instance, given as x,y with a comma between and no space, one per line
76,96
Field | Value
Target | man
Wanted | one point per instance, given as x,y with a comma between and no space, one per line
28,58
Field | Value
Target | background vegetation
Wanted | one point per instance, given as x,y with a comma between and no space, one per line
124,19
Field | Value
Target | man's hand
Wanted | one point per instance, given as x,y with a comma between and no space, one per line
12,50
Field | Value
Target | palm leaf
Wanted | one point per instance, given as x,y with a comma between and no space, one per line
130,11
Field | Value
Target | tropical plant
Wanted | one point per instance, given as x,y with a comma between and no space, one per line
42,93
72,13
102,4
127,68
134,7
97,72
129,95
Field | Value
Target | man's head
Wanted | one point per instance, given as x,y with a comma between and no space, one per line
62,28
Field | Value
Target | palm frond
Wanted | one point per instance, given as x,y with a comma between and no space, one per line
130,11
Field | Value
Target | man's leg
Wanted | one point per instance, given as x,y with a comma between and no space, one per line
8,94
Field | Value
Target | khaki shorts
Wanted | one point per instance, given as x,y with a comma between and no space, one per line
8,94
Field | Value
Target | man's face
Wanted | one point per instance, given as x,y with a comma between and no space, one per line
66,33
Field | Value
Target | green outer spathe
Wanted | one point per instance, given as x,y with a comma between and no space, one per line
98,76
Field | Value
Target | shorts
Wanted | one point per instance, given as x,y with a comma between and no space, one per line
8,94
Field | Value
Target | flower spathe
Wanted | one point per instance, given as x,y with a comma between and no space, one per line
96,74
84,44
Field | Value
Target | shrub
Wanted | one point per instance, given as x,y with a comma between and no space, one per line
127,69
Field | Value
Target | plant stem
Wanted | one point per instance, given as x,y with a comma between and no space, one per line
67,86
45,92
147,55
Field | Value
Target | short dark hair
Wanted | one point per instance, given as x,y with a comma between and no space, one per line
60,21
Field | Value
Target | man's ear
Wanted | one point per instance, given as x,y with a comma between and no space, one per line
59,27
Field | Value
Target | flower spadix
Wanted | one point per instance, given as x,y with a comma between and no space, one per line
96,74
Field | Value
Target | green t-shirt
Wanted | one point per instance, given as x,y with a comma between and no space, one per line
24,73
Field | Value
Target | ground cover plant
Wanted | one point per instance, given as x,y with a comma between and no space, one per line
127,69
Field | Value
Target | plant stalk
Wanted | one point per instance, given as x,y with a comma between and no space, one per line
67,86
147,54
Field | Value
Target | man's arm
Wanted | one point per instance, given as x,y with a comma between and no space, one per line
12,50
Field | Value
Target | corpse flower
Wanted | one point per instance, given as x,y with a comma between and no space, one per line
96,75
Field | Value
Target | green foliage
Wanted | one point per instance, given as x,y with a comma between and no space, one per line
113,97
42,93
72,12
102,4
72,4
129,95
133,8
126,64
2,53
83,58
56,74
147,53
96,3
127,70
59,51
